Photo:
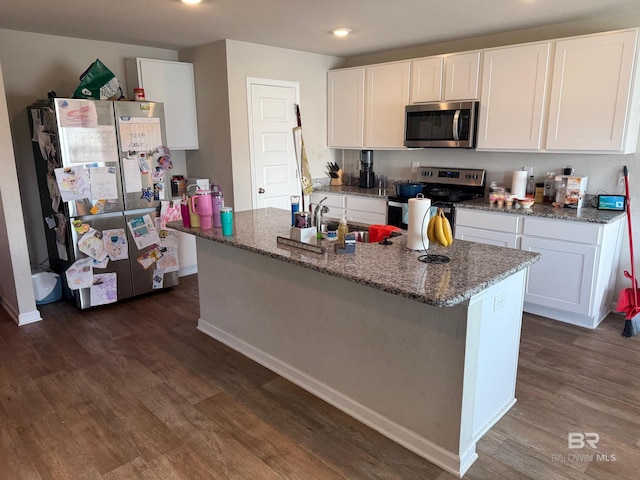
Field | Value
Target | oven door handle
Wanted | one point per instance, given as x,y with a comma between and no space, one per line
456,126
396,204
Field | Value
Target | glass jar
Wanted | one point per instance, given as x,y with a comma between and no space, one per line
549,194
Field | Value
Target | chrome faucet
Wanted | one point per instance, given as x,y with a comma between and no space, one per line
318,212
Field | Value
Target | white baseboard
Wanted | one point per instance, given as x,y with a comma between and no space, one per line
29,317
188,270
21,318
449,461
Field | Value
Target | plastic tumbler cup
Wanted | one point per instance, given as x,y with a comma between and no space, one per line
226,218
295,207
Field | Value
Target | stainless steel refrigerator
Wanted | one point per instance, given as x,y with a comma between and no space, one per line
102,174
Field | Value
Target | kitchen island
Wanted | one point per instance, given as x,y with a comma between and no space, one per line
424,353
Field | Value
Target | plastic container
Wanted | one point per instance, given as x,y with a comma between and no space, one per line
47,287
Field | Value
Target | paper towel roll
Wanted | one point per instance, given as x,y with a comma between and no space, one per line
519,183
417,226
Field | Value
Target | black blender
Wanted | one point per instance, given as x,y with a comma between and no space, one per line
367,176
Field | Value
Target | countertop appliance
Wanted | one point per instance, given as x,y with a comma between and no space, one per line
444,186
367,175
101,185
441,125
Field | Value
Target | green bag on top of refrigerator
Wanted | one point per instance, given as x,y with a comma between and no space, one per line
98,83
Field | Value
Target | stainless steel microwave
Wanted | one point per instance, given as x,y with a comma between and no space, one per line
441,125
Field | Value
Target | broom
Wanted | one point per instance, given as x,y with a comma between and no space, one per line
632,323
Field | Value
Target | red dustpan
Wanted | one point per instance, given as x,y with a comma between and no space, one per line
628,298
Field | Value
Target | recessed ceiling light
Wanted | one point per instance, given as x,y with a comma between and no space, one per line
341,32
191,2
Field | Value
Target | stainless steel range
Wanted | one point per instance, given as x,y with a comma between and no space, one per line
444,186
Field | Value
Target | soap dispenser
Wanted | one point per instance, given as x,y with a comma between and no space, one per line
343,229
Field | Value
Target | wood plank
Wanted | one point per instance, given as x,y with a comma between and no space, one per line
55,451
273,447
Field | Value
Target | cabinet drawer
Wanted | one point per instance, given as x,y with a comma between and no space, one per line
577,232
368,218
488,221
367,204
488,237
334,201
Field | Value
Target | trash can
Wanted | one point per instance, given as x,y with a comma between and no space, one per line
47,287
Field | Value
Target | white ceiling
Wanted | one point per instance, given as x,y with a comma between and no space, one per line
377,25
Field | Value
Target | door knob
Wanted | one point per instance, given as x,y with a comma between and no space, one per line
261,190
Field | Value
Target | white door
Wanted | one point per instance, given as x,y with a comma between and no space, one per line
272,117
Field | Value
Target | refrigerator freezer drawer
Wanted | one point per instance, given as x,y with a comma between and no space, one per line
142,273
121,268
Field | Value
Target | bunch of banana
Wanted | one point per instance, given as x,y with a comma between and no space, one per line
439,229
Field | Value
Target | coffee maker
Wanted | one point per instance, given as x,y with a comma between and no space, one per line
367,176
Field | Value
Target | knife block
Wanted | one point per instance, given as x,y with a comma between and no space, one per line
336,182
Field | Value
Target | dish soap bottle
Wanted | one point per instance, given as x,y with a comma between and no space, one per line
343,229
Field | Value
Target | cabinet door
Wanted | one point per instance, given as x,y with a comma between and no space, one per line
514,85
590,93
461,76
172,84
370,211
426,80
563,278
387,95
345,104
488,237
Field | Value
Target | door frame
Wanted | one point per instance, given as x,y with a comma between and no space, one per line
269,83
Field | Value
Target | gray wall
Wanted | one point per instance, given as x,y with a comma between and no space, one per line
34,64
221,71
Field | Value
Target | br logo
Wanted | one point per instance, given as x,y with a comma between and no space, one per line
581,440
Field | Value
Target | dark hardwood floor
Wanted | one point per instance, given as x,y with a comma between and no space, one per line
134,391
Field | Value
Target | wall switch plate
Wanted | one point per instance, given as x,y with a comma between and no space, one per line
414,167
621,179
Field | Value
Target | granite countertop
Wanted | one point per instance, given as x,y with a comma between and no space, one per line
584,214
391,268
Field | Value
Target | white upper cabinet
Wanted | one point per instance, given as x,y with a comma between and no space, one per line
426,79
514,86
594,94
345,108
387,95
462,71
172,84
445,78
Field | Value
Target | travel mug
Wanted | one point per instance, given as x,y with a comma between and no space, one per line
201,205
226,218
184,211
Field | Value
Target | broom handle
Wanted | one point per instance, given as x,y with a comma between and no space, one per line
633,264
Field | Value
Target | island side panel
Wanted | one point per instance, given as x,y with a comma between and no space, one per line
495,319
394,363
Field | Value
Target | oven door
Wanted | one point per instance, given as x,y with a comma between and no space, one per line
398,212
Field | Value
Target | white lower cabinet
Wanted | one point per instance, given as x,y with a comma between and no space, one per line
367,210
575,278
563,278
